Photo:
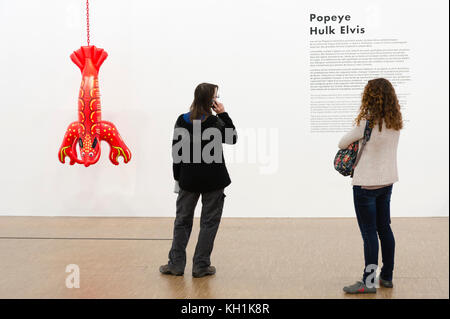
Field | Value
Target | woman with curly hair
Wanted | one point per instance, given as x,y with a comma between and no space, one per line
373,179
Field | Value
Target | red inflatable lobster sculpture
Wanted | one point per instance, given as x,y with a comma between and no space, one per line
90,130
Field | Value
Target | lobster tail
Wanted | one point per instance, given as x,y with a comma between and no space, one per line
89,53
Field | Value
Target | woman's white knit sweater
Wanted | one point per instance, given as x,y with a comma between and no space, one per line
378,162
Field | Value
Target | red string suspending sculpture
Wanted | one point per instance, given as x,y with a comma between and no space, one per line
90,130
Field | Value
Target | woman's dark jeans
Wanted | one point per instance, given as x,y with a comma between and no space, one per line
373,214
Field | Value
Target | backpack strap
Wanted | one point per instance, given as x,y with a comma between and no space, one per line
367,133
365,139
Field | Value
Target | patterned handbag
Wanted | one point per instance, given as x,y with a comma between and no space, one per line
346,160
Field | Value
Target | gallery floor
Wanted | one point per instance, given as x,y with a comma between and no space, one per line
255,258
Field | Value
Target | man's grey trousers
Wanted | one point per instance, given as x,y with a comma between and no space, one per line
212,206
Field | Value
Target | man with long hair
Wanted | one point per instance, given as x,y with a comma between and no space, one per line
199,169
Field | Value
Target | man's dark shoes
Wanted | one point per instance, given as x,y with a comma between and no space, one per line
208,271
168,270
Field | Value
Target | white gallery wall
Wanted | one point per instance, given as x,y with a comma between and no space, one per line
257,51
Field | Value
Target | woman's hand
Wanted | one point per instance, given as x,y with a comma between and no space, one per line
218,107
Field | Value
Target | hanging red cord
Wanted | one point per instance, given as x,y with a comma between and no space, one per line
87,22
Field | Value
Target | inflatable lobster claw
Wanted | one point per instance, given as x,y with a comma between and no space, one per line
90,130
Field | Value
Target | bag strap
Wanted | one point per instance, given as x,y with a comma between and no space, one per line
366,138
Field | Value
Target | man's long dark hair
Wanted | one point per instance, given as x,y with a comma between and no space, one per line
203,97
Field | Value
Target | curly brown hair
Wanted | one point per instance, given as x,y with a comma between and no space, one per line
379,103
